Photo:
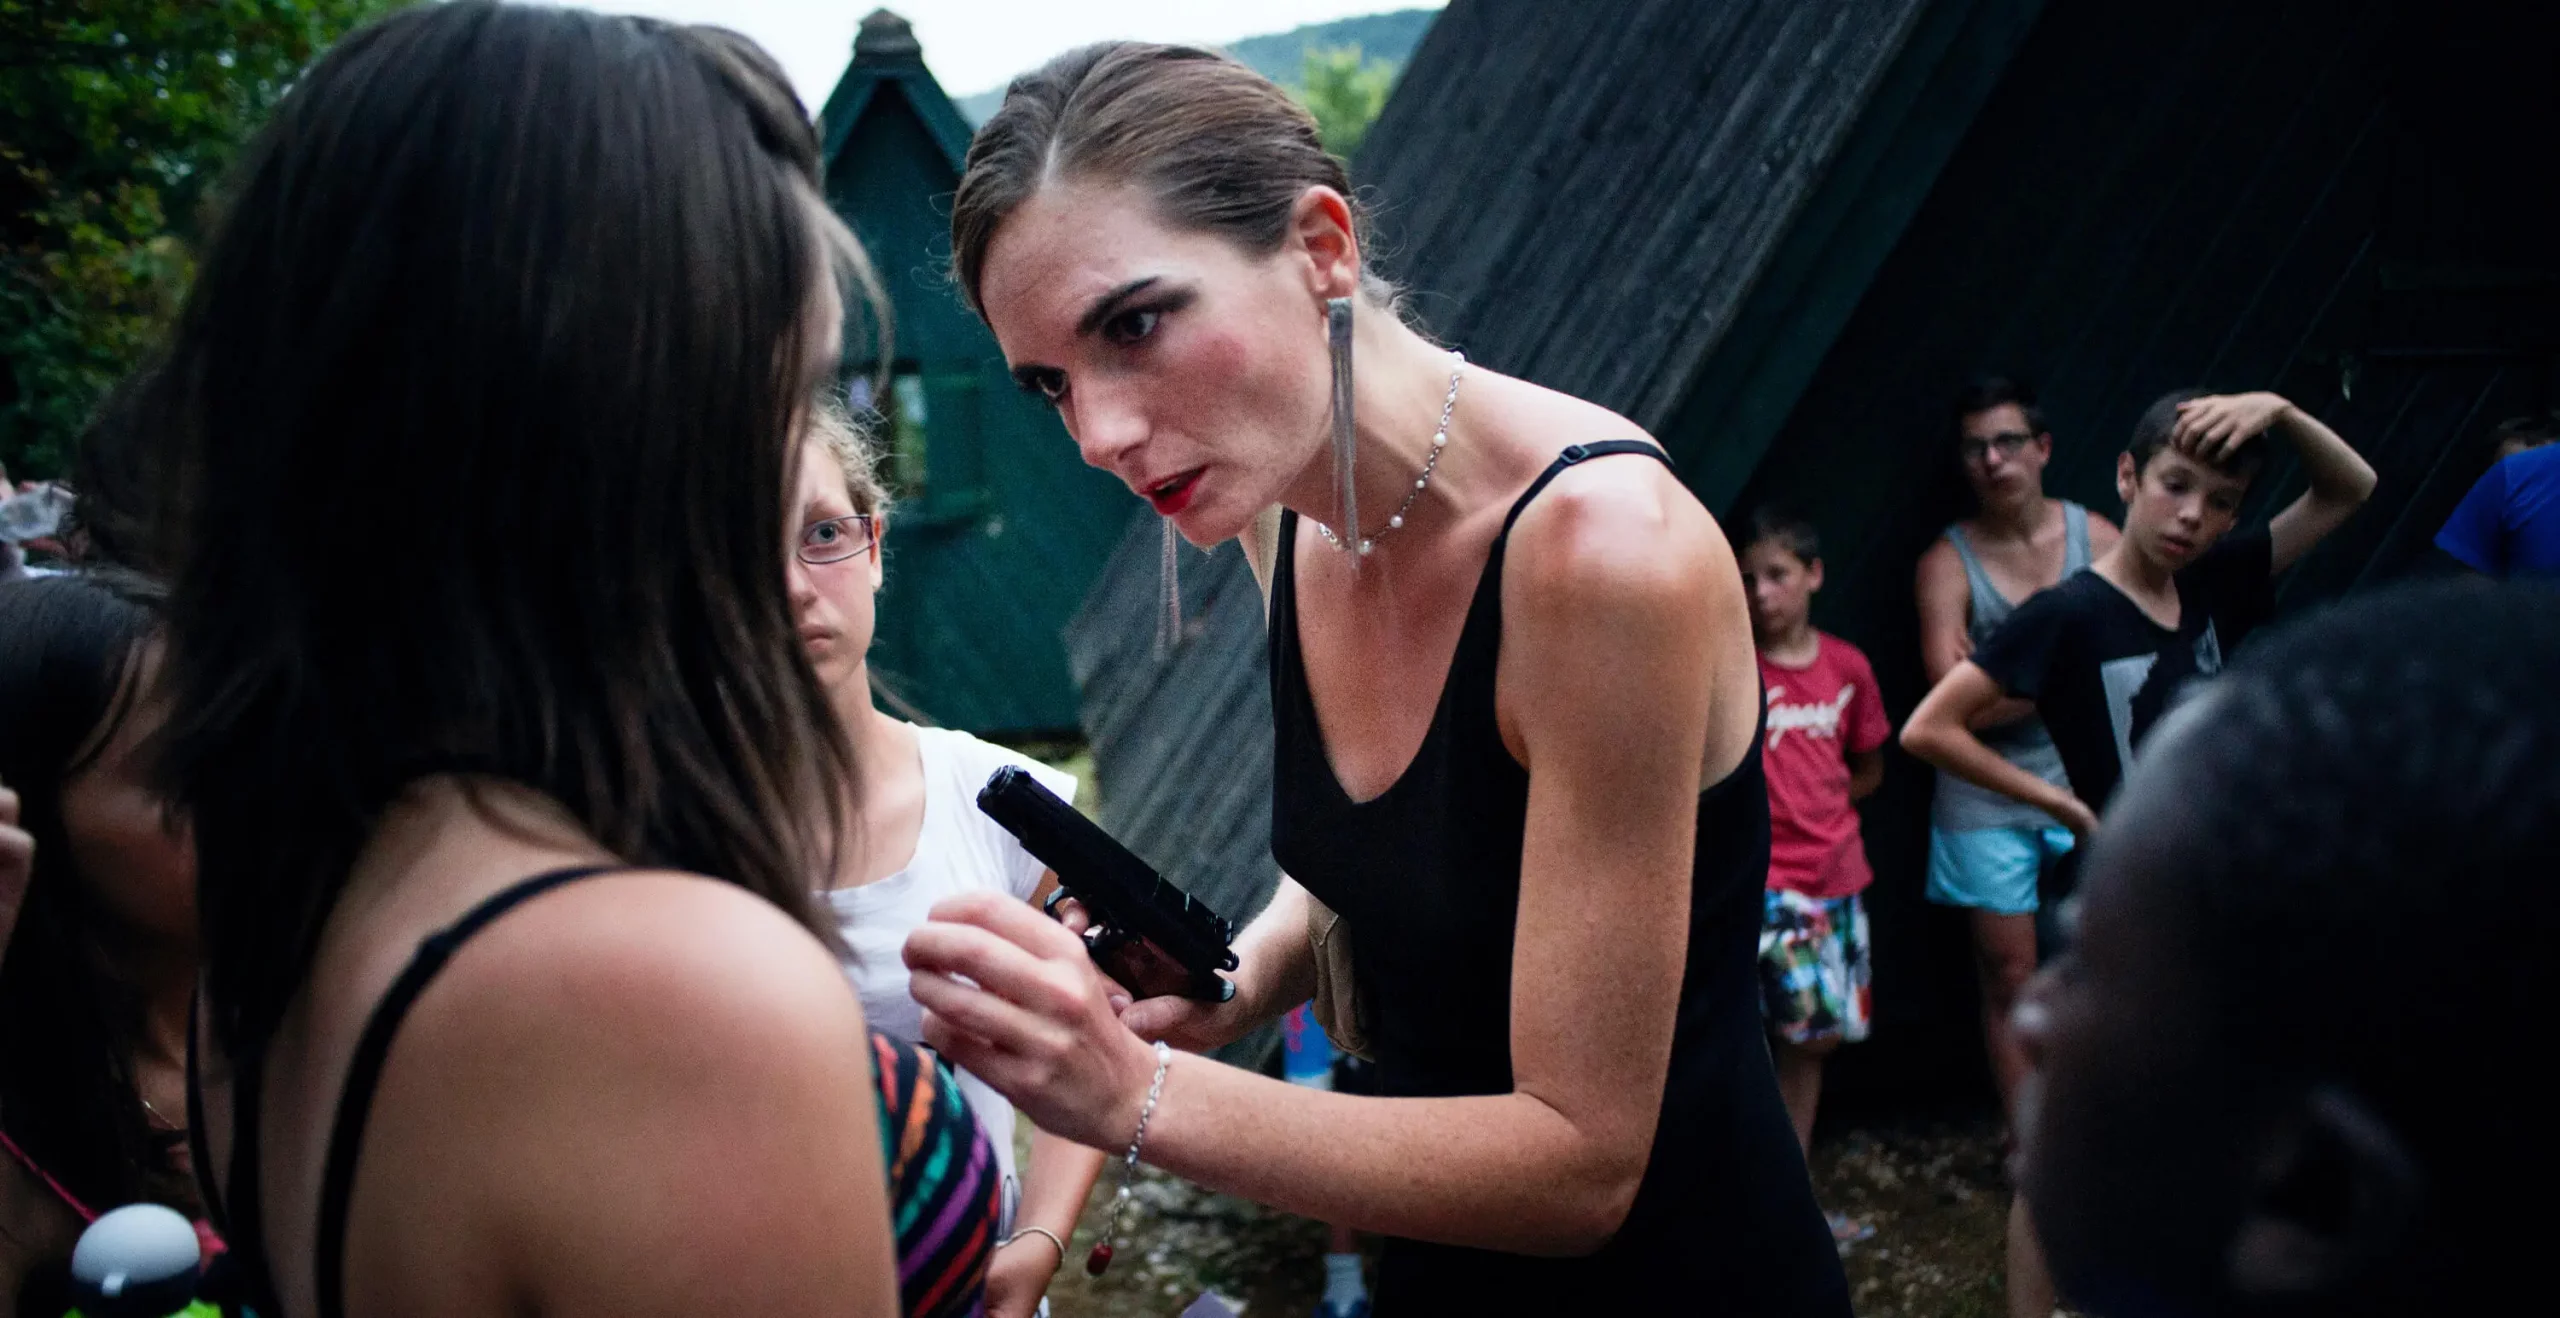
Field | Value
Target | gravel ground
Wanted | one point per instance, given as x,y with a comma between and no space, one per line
1940,1207
1934,1195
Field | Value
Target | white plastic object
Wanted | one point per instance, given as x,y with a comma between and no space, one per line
136,1245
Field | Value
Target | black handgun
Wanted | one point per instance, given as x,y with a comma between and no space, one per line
1147,933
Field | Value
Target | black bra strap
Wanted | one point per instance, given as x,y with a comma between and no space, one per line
1575,453
364,1071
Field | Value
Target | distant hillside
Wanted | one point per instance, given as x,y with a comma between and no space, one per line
1388,37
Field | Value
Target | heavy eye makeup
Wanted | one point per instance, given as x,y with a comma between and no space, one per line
1131,326
1048,382
1126,318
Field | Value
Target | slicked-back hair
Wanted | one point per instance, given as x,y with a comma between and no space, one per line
1218,147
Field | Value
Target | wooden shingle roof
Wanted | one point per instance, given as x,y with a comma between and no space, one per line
1584,194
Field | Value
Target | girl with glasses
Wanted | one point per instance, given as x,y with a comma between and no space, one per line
917,836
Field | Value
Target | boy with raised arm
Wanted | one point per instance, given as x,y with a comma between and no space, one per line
2106,652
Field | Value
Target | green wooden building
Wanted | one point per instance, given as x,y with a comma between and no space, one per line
998,527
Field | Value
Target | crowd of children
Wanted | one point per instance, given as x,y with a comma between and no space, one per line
2056,645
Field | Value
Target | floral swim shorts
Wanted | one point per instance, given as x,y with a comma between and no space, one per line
1814,970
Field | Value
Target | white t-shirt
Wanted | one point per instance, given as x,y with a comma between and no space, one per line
958,849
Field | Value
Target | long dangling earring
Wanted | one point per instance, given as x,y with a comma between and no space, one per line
1169,618
1337,321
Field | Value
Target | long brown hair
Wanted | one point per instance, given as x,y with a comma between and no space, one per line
486,402
1219,147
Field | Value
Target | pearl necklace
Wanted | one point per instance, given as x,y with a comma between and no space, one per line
1439,441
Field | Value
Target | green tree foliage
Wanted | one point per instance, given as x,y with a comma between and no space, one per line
116,118
1344,90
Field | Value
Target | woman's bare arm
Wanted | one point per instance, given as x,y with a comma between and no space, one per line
1275,971
1608,667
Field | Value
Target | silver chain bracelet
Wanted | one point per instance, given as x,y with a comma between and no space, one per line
1100,1258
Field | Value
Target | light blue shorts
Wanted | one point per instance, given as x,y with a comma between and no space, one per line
1992,869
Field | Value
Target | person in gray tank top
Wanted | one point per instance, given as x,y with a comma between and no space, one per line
1961,807
1987,852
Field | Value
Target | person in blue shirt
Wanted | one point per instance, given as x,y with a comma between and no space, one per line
2509,525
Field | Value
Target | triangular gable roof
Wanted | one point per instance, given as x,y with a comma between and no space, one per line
886,57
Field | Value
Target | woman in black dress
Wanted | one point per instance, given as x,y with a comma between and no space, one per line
1516,717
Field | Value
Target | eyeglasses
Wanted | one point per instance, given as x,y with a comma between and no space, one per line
2007,444
838,538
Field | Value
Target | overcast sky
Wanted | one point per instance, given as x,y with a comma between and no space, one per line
975,45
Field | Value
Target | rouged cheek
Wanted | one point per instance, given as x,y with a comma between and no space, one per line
1220,355
1228,384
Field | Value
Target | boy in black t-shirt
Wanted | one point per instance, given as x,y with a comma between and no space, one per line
2107,651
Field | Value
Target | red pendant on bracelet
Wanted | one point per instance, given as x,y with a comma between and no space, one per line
1098,1260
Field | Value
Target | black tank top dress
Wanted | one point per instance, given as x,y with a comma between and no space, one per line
1427,879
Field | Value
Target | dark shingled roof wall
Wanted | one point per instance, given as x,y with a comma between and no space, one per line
1583,194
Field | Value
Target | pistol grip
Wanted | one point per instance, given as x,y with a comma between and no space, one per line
1146,970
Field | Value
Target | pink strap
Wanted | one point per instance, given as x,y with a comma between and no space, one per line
46,1177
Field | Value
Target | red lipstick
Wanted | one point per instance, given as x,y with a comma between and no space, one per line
1174,495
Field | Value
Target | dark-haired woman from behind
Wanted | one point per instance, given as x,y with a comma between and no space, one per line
506,767
96,973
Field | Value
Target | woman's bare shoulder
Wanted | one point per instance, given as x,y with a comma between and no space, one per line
606,1052
1594,513
1625,519
659,949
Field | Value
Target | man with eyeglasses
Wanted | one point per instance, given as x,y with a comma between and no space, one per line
1987,852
